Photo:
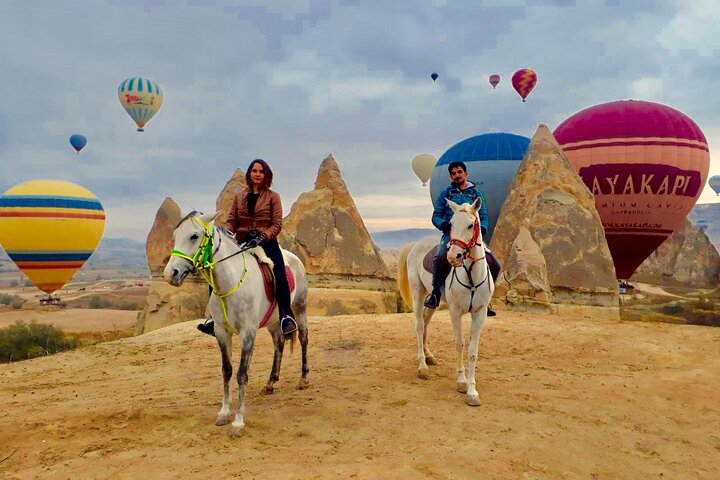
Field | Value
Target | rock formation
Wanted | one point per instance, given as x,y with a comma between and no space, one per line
686,258
167,305
159,242
550,213
326,231
224,201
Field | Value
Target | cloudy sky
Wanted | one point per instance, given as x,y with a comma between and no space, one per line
297,80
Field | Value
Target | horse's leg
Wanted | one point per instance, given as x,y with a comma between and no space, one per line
225,343
429,357
279,342
478,319
248,342
422,317
456,318
303,334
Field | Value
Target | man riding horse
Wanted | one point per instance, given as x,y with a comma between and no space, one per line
460,191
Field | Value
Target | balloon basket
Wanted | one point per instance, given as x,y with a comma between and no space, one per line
140,129
50,300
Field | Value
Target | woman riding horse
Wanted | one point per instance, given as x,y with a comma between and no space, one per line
256,220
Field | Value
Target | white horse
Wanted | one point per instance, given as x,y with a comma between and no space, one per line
468,288
239,302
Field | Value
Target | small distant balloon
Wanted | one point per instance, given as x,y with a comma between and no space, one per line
141,98
423,166
524,81
434,76
78,142
702,224
494,80
714,183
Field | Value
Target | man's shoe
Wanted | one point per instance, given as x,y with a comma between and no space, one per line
490,311
208,327
433,300
288,325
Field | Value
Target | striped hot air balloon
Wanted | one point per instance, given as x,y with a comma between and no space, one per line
714,183
523,81
645,163
49,228
141,98
494,80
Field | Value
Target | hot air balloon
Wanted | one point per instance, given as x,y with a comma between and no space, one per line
423,166
78,142
49,228
645,163
494,80
714,183
141,98
524,81
702,224
434,76
492,159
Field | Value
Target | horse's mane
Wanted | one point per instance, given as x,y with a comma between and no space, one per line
189,215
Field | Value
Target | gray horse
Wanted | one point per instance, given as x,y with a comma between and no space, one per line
239,303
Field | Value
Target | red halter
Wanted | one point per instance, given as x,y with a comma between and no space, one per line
469,245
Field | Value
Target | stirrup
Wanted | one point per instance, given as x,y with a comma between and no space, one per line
432,300
288,325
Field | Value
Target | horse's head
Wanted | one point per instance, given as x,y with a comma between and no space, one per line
192,243
464,231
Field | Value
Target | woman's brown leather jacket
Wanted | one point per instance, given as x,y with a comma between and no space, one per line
266,219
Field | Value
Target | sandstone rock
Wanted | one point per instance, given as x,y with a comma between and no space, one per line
168,305
686,258
552,203
524,282
326,231
390,257
224,201
331,302
159,242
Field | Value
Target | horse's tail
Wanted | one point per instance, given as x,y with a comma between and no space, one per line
292,338
403,282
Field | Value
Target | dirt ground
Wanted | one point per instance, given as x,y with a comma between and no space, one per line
73,319
563,398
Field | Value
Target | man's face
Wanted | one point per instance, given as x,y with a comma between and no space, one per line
458,175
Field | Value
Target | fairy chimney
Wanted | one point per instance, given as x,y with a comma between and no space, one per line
159,242
549,200
224,201
326,231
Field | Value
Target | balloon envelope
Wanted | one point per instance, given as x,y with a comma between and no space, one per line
714,183
423,166
141,98
49,228
434,76
492,159
494,80
78,142
645,163
523,81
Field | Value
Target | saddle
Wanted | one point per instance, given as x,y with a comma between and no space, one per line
429,259
493,264
269,283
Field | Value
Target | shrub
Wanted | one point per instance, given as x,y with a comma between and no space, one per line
22,341
5,299
17,303
97,302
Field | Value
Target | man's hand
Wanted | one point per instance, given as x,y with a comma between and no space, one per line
445,227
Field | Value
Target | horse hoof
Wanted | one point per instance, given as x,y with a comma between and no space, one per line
423,373
237,432
222,420
267,390
303,384
462,387
473,400
431,361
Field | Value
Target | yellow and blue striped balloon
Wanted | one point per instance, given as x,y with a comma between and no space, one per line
49,228
141,98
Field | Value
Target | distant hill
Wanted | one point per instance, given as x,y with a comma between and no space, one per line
398,238
710,212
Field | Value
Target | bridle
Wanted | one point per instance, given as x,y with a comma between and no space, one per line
202,262
467,247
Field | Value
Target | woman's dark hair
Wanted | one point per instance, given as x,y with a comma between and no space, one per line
267,183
